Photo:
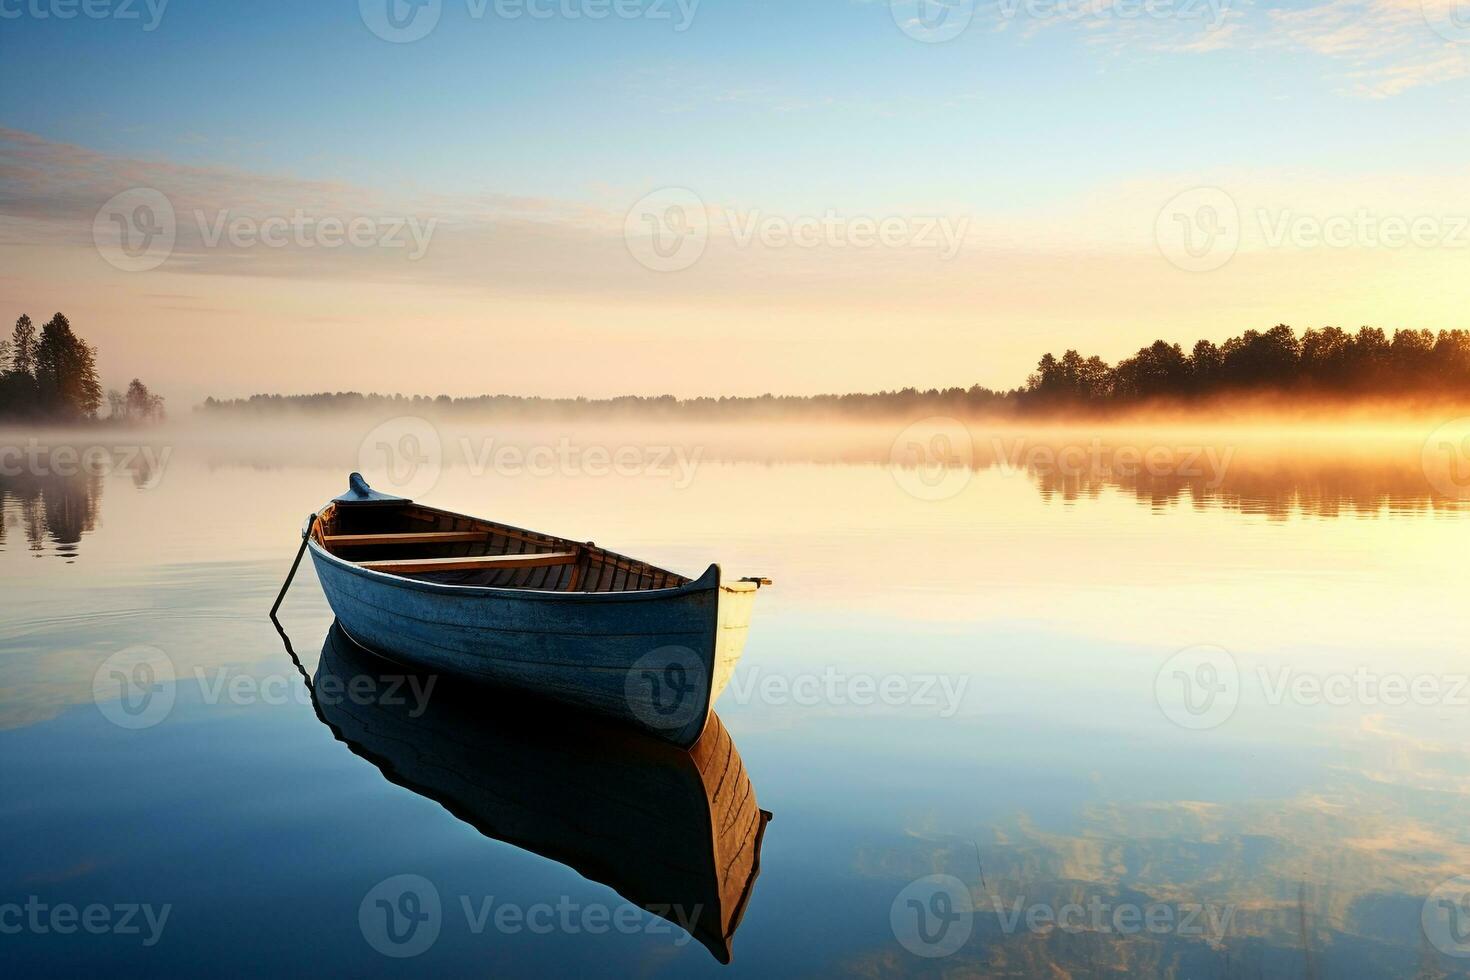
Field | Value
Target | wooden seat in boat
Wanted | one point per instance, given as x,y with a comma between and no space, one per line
398,566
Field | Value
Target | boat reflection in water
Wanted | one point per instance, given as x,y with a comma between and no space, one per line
676,832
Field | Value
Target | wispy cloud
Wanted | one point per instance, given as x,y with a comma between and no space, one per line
51,192
1386,46
1374,48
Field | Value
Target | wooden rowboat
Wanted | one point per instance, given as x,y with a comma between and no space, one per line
560,619
676,833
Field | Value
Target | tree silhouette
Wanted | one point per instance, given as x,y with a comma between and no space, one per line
53,377
23,346
140,404
66,372
1322,362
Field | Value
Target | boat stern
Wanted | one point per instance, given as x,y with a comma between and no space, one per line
732,624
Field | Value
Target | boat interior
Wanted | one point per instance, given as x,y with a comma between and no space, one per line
434,545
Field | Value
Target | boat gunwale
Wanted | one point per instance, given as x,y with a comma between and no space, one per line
700,584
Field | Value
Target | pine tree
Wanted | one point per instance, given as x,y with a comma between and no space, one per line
66,372
23,346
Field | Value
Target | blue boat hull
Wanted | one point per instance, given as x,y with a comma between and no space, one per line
654,659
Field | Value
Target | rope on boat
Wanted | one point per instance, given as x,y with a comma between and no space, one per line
291,575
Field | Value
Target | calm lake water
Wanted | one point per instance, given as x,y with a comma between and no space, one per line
1024,714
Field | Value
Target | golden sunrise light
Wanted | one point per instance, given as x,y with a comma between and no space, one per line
676,488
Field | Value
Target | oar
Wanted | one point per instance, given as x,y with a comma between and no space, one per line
305,537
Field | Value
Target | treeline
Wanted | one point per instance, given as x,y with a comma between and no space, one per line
631,406
51,376
1322,364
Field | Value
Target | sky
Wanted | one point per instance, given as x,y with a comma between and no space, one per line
595,197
